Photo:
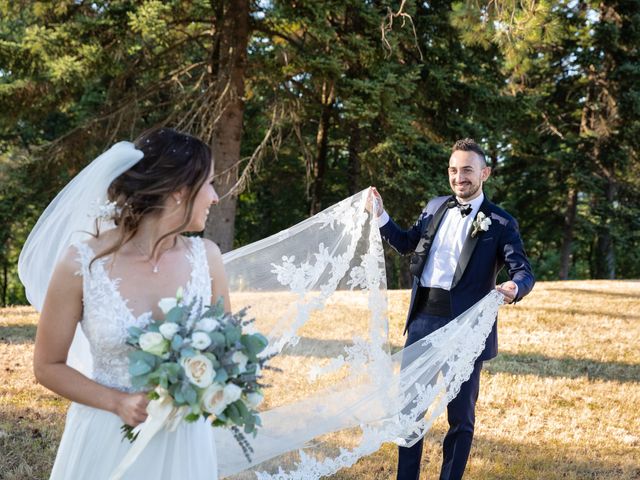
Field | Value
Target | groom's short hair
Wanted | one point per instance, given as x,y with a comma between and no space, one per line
469,145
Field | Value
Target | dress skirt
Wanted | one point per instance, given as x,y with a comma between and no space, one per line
92,447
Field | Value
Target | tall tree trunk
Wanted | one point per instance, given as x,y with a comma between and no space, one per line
5,283
322,147
229,60
605,254
567,234
353,22
353,169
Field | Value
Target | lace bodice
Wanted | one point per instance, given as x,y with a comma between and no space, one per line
106,316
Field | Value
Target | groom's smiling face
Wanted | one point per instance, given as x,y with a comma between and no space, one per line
467,172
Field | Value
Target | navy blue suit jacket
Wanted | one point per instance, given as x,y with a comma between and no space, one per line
482,257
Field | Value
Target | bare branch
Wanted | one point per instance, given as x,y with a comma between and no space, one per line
387,26
254,161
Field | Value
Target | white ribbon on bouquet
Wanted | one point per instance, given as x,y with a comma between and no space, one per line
161,414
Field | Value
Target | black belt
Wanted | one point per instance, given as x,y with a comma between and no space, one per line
433,301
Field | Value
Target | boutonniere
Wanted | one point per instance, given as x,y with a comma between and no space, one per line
480,224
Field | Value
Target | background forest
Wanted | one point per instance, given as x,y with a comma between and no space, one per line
306,102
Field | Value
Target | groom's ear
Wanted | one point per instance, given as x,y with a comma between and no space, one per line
485,173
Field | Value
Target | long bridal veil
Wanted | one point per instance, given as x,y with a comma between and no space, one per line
318,291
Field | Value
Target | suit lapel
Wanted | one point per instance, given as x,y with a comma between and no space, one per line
469,246
421,253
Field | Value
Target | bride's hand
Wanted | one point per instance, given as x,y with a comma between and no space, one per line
132,408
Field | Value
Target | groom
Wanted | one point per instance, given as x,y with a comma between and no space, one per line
456,256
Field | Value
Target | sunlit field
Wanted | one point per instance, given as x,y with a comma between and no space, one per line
561,401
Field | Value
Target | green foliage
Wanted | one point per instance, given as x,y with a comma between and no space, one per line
550,90
254,344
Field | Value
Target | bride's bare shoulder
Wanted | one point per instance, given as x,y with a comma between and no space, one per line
211,248
103,241
97,244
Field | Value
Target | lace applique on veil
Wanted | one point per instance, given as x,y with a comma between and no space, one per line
318,290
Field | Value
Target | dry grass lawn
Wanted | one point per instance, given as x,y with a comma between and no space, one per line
561,401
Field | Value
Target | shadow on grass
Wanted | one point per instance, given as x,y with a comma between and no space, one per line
18,333
318,348
543,366
587,312
588,291
29,440
493,459
514,363
506,460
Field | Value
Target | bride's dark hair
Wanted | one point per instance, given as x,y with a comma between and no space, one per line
173,161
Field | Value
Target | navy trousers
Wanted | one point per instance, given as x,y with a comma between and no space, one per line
460,414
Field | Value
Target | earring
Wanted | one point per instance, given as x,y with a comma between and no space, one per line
178,201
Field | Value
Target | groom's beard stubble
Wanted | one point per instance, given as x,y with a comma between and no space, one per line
473,189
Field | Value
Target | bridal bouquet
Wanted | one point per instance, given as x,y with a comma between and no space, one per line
205,361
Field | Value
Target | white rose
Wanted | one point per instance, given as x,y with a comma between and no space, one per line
207,324
254,399
200,340
213,399
231,393
167,304
153,342
169,329
241,359
199,370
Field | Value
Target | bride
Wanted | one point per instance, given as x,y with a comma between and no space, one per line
156,190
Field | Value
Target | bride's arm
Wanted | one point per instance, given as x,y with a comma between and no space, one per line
61,312
219,283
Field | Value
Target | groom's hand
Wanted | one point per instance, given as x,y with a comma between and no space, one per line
374,199
508,290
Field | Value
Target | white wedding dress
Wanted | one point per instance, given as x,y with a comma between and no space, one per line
92,445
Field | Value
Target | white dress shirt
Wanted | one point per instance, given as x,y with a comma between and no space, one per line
447,245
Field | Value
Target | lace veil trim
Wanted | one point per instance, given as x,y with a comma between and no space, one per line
318,290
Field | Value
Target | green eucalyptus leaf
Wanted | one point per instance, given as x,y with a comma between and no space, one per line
174,315
187,352
244,411
139,367
234,414
176,342
212,357
172,370
232,335
221,376
217,339
139,381
135,331
189,393
178,396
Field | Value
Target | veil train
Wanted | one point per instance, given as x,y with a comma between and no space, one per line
318,291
